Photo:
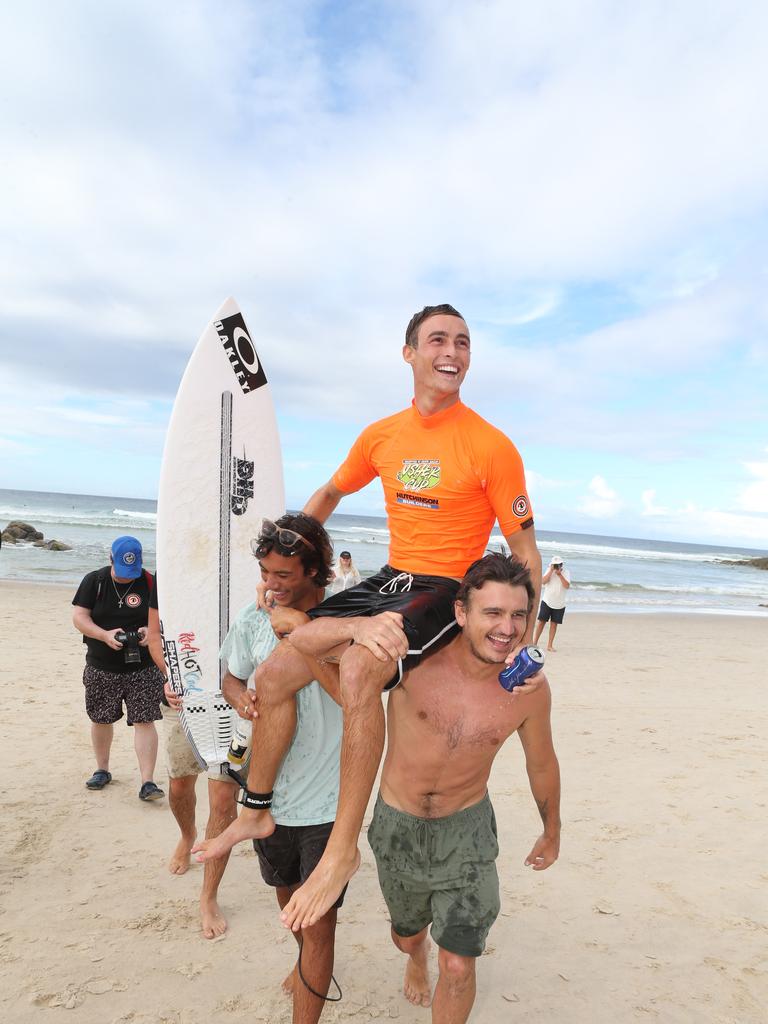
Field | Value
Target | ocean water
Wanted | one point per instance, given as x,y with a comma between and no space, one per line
608,573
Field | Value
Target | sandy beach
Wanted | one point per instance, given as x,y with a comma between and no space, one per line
655,911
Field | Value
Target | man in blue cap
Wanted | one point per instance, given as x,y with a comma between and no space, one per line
111,611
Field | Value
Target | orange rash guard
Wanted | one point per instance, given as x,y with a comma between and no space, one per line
446,479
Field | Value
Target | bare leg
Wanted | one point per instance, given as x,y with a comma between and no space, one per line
552,631
363,677
283,894
182,800
101,741
145,745
278,681
223,811
317,967
539,631
416,987
455,989
316,964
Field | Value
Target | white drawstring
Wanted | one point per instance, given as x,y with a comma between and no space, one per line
391,586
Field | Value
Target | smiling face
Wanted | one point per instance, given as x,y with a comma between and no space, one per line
290,585
441,359
493,620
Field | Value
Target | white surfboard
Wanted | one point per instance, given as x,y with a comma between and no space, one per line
221,473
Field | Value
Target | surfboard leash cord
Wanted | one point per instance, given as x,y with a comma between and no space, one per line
258,801
305,983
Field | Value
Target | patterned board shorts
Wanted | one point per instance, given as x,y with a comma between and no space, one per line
106,692
439,870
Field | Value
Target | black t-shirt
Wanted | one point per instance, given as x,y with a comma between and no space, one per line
106,612
153,604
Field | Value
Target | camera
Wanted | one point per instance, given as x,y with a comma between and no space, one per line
130,639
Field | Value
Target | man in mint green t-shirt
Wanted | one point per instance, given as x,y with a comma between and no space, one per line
295,559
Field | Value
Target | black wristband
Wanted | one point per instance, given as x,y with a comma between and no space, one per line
254,801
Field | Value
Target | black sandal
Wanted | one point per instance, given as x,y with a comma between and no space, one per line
99,779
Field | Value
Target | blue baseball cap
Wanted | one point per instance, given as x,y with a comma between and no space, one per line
126,558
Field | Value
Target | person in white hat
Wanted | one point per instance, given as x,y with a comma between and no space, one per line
554,590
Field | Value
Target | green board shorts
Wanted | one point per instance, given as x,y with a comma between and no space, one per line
439,870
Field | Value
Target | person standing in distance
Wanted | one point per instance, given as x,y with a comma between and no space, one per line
111,611
554,594
345,574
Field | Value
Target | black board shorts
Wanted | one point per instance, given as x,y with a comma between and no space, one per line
425,602
289,856
546,613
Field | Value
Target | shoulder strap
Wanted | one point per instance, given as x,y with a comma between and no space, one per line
150,579
101,579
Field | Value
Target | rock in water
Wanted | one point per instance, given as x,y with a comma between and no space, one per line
17,531
22,531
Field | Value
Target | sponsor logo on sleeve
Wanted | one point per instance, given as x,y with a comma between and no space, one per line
241,352
242,484
520,506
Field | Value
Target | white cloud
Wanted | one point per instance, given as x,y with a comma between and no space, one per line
335,177
11,447
260,170
718,525
754,497
602,502
650,508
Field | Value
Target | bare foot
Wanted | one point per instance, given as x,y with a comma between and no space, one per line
320,891
212,921
247,825
416,987
289,983
179,862
550,648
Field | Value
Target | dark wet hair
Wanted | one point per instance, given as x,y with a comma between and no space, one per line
318,557
496,568
412,330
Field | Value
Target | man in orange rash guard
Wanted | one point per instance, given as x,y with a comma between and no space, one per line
447,477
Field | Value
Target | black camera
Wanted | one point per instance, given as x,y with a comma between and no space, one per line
130,640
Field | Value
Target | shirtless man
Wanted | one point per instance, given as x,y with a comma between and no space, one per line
433,831
448,475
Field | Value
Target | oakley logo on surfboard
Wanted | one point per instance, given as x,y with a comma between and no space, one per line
240,352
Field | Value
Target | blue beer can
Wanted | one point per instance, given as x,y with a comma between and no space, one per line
527,663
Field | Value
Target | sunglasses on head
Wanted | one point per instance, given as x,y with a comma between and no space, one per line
270,535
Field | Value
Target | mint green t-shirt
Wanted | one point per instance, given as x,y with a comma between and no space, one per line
307,784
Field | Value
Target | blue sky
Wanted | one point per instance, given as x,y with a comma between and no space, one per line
586,182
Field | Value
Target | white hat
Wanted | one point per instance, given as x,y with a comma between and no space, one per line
556,560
